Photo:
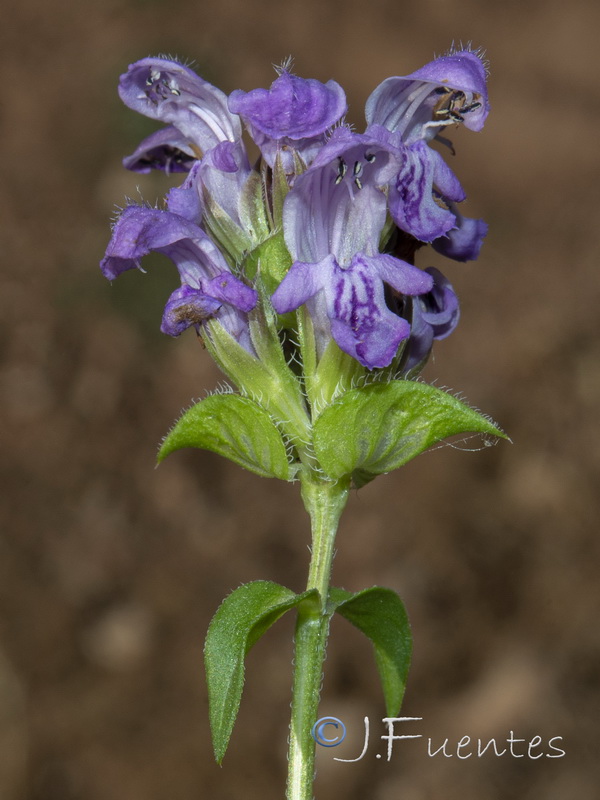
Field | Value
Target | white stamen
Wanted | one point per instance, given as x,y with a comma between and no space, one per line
213,123
441,123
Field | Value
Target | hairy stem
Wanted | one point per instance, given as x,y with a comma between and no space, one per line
324,502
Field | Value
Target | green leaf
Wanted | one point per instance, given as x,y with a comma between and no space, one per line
240,621
380,614
235,427
378,428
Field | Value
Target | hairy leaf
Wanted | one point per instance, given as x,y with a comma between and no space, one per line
235,427
380,614
377,428
240,621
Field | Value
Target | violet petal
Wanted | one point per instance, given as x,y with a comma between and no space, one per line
293,108
186,307
463,242
449,89
165,149
171,92
411,198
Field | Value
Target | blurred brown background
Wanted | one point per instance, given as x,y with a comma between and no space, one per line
110,570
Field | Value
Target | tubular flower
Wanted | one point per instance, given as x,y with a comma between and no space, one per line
323,217
208,288
415,109
448,90
433,316
196,111
333,218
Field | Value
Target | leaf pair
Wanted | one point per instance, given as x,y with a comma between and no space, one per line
364,433
249,611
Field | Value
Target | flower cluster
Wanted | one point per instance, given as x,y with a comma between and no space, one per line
328,218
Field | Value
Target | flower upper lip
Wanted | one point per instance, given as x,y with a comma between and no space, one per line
294,112
447,90
293,107
171,92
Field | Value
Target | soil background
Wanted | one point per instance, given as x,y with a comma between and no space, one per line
110,570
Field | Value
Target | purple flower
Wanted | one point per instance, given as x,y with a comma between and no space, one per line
410,111
208,288
333,218
292,115
348,206
222,175
195,110
416,191
434,315
463,242
448,90
165,149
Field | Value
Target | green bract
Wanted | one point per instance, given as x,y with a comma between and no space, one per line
235,427
377,428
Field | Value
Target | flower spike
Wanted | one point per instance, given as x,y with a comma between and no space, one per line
329,218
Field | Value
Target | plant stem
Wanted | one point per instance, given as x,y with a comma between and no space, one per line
324,502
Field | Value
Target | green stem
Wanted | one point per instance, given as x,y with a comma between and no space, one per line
325,503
